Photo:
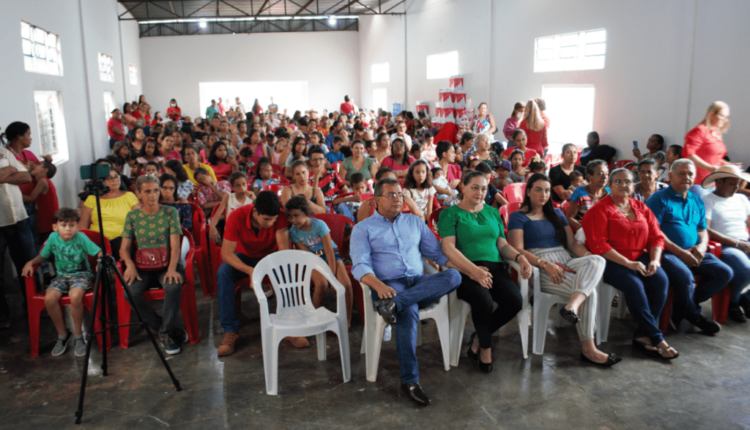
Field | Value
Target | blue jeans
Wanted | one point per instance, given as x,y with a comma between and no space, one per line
645,296
714,274
414,292
22,241
227,278
343,209
740,264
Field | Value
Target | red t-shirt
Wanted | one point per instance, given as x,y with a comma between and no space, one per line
240,229
707,145
537,140
113,123
454,172
29,160
347,108
46,205
174,113
527,156
224,170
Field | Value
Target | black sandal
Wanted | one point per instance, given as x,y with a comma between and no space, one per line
661,352
642,347
569,315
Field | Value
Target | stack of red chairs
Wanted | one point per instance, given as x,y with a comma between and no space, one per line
187,304
35,300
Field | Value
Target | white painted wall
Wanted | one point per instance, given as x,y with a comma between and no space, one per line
174,66
646,86
437,26
381,40
720,67
130,54
82,92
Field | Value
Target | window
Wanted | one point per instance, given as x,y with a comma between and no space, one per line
584,50
51,125
442,65
106,68
109,104
41,50
380,73
133,71
570,109
380,98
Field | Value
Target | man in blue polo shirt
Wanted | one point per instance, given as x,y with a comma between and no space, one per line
682,218
387,251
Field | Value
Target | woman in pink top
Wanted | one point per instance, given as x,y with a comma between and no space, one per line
399,161
255,142
535,128
704,145
511,124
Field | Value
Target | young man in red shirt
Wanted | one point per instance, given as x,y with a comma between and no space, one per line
251,233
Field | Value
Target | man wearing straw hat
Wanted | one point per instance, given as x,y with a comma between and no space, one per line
727,219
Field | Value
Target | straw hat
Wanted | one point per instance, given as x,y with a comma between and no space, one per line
727,171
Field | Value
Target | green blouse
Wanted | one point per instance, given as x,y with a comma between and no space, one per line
476,233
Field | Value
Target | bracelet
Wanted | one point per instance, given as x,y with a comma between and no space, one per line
517,255
737,244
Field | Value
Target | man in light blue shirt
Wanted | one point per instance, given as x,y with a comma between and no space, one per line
386,251
682,218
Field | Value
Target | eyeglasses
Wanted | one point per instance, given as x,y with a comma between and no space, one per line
626,182
394,196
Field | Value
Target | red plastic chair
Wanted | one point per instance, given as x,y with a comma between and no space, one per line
433,222
187,301
276,188
337,224
35,300
620,164
201,256
719,302
514,192
213,252
278,170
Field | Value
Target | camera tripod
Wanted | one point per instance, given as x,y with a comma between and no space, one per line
105,267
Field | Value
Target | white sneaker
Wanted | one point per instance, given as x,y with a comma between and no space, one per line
387,333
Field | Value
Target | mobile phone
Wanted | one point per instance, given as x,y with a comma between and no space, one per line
565,268
635,144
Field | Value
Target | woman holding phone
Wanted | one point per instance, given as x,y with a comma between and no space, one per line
542,234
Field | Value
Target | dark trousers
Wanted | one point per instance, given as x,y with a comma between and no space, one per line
20,239
227,278
504,292
644,295
412,293
714,273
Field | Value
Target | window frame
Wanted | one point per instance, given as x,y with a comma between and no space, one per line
571,51
51,119
106,67
41,56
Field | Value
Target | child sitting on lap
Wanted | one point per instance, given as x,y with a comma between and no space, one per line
70,249
349,206
576,179
312,234
152,168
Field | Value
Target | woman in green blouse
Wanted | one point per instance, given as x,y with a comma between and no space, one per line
474,241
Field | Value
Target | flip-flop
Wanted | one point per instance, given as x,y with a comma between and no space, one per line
642,347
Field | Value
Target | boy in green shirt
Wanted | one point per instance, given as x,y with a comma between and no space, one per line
70,249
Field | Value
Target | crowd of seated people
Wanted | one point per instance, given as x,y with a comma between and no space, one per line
260,176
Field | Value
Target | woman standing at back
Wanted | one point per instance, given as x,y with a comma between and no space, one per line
704,144
536,130
511,124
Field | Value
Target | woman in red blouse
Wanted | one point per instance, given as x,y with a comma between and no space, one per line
703,144
620,228
535,128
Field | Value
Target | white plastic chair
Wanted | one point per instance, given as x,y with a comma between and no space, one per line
375,325
459,310
606,294
290,274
